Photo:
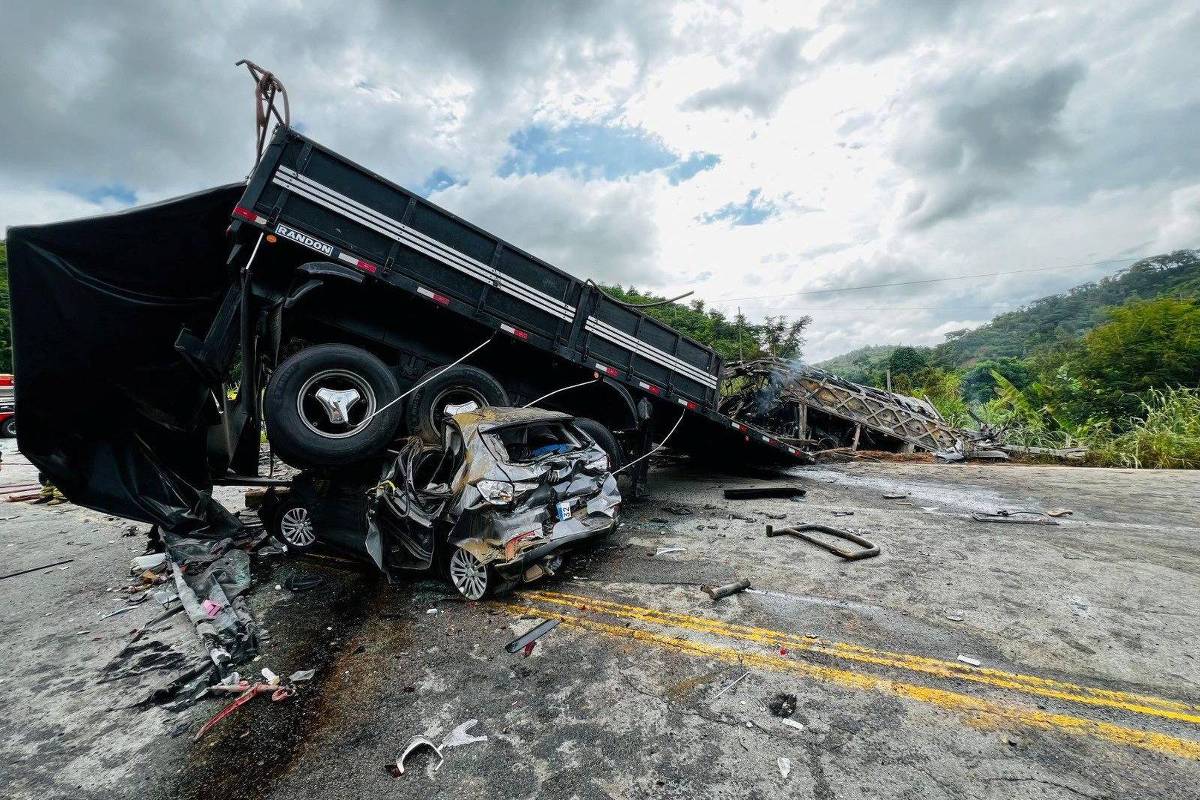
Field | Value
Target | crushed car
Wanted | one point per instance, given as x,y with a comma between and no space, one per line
495,504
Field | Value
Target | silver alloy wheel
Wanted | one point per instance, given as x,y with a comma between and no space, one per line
336,403
295,525
452,396
468,574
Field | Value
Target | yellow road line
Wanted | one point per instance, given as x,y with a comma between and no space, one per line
1029,684
982,713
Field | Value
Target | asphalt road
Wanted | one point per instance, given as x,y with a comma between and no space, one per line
1087,685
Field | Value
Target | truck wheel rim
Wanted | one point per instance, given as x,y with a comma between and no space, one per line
452,396
296,527
355,396
468,574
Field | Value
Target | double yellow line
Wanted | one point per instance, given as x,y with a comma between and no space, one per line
979,711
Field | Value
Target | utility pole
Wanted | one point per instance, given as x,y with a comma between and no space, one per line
741,355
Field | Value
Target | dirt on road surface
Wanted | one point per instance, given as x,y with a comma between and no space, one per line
1086,684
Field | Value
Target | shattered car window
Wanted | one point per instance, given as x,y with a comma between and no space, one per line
520,443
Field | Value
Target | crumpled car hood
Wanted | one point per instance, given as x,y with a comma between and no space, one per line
497,533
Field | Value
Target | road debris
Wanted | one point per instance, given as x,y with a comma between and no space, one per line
1059,512
662,551
1032,518
800,531
785,766
729,686
764,492
420,741
895,496
122,610
302,675
678,510
974,662
35,569
954,617
717,592
526,640
460,736
843,513
278,693
791,723
782,704
297,583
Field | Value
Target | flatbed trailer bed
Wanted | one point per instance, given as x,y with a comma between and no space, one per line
311,196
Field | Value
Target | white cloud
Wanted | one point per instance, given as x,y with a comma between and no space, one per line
933,139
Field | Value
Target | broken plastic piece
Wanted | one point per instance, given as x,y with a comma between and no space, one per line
717,592
894,496
764,492
974,662
791,723
155,562
785,766
210,608
416,743
662,551
269,676
459,736
301,675
529,637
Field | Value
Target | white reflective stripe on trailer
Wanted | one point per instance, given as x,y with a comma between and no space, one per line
639,347
334,201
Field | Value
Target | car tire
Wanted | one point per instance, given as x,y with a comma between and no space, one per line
456,385
473,579
307,393
9,429
602,436
292,522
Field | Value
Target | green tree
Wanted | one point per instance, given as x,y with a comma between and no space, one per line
1146,345
979,386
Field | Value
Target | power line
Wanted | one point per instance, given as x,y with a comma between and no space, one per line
725,300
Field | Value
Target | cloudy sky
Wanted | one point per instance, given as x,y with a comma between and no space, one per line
758,154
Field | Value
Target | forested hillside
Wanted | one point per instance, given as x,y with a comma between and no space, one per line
1114,364
1063,317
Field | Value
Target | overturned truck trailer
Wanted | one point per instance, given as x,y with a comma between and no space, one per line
337,310
815,409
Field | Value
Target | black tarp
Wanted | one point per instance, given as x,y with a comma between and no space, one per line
108,409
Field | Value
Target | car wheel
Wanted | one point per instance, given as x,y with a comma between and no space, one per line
602,436
9,428
471,577
294,524
327,406
455,386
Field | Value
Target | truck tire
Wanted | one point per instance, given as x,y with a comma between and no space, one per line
456,385
320,402
603,437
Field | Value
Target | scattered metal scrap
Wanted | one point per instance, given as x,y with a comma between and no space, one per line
527,639
418,742
816,411
764,492
248,693
800,531
717,592
1016,517
34,569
